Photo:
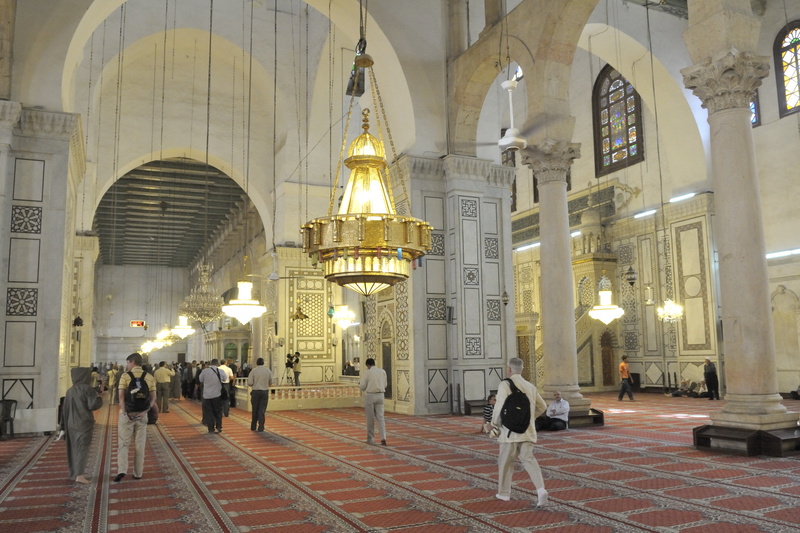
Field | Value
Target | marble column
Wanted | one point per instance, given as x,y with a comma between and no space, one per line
726,85
8,10
550,162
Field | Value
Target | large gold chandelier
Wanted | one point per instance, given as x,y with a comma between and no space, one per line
202,305
366,247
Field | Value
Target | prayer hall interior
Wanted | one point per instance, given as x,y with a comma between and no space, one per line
564,181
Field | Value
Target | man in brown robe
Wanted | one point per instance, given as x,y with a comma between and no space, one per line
77,421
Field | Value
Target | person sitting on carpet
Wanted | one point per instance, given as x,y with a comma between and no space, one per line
556,417
687,389
702,391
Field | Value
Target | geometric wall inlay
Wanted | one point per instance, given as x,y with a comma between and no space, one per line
474,347
493,310
26,219
436,308
437,386
20,390
491,249
437,244
403,386
21,302
630,340
527,301
654,374
625,254
586,291
312,304
471,276
526,275
469,208
401,297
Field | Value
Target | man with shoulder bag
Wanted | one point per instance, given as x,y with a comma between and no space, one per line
214,394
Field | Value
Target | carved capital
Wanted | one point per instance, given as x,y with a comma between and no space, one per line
48,124
727,82
468,168
550,160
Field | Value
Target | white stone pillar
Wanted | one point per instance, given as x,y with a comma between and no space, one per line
726,85
457,27
550,162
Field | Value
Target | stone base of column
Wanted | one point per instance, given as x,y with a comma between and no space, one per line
754,411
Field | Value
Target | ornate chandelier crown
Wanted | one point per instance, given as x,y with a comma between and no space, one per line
366,247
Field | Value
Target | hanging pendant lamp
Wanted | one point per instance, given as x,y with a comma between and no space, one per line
605,312
244,308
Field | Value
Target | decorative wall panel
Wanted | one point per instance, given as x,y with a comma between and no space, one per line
26,219
438,386
470,233
20,344
403,386
28,180
437,342
21,301
493,342
23,260
21,390
435,276
491,249
692,287
474,385
434,212
436,309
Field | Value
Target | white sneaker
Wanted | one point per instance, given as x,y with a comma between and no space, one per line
542,498
504,498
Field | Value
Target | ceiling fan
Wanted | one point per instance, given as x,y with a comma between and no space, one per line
512,140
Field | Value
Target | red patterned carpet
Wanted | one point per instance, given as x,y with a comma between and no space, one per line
312,471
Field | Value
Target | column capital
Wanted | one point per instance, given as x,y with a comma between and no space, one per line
728,81
9,116
550,160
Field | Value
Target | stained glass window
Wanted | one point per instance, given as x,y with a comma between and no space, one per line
755,111
617,114
786,51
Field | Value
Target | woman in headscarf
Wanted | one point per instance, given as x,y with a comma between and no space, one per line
77,421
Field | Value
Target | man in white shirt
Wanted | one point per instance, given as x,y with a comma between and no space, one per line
227,377
512,444
259,380
373,383
556,417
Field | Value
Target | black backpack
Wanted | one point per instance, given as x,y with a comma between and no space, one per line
516,413
137,397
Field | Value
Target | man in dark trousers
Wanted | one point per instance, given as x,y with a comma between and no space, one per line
211,380
259,380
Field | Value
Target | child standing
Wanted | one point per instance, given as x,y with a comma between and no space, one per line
488,410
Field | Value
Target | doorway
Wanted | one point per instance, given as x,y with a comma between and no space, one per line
387,367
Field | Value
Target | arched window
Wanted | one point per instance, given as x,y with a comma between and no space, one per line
786,51
616,108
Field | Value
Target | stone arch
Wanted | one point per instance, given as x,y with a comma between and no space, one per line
542,39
